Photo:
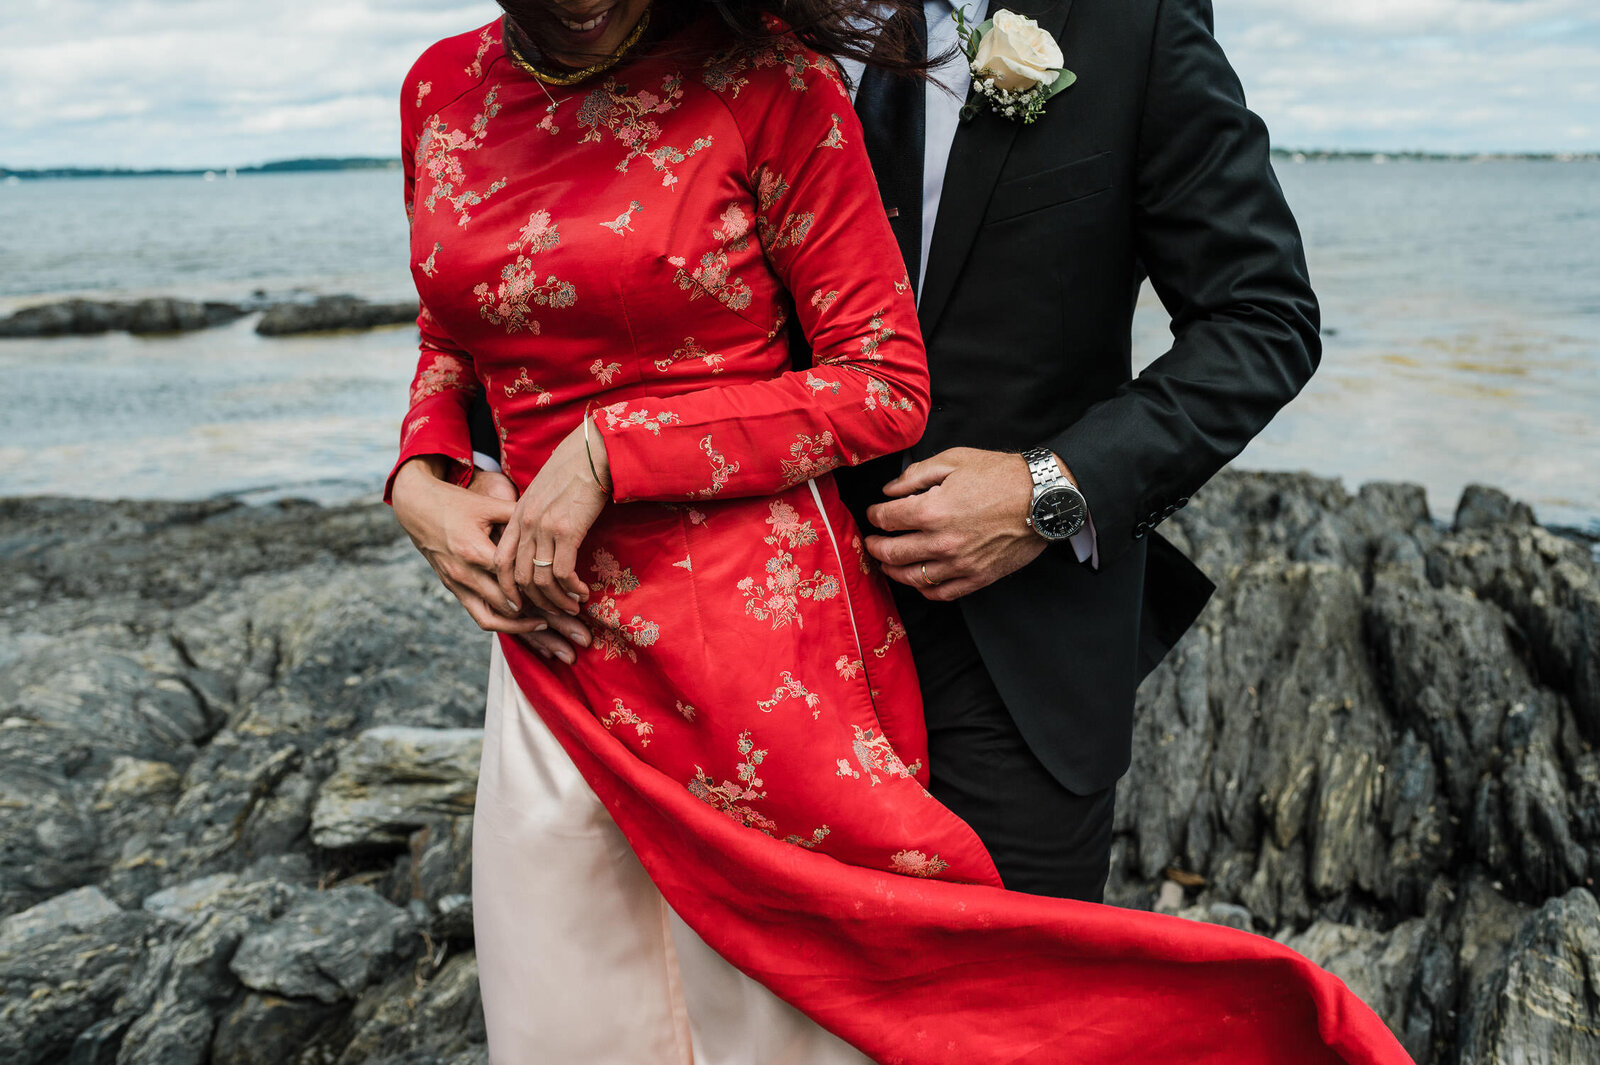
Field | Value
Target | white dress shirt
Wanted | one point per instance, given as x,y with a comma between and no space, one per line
946,94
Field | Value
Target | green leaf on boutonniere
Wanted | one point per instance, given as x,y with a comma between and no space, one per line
1063,82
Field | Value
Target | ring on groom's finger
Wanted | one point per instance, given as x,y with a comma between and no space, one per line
544,562
925,580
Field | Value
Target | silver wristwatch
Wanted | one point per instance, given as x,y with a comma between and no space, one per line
1058,510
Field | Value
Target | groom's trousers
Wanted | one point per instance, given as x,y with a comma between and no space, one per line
1044,839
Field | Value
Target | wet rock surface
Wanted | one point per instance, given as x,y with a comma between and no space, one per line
238,750
160,314
333,312
164,314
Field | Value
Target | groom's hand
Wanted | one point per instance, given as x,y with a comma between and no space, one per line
959,520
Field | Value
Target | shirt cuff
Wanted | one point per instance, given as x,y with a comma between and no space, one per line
488,464
1085,543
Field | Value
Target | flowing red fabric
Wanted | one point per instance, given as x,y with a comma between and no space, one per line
919,971
749,712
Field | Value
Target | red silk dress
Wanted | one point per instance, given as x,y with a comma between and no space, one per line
749,713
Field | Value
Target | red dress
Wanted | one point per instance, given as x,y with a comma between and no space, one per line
749,713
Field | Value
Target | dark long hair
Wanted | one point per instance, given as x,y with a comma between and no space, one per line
874,32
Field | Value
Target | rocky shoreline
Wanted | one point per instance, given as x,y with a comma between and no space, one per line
238,754
158,315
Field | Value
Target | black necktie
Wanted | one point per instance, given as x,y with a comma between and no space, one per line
892,112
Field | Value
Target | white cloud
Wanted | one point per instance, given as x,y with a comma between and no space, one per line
220,82
1444,75
210,82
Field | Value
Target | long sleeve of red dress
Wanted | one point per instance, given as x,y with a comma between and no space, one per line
824,233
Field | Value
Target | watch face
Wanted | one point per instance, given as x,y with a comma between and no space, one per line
1058,513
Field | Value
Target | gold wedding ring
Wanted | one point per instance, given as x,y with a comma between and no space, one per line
544,562
925,580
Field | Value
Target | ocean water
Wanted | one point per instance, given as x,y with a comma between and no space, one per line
1461,309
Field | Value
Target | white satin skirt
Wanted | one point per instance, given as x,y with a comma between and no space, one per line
580,959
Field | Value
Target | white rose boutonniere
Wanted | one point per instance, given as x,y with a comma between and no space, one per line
1016,65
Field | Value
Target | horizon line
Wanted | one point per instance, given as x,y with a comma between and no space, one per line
379,162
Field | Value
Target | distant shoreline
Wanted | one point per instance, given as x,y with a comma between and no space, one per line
325,164
282,166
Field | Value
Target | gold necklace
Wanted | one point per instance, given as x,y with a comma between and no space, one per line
508,35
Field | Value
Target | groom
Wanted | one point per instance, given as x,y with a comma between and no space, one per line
1021,529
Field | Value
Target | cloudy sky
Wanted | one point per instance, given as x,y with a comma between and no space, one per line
233,82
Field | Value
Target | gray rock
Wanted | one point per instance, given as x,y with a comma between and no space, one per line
392,779
267,1029
63,964
328,946
160,314
1544,1004
1378,743
444,1017
333,312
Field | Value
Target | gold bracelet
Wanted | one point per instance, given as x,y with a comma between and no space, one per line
586,450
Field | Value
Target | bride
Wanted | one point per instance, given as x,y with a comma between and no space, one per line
708,837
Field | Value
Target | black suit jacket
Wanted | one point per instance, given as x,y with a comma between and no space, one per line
1149,164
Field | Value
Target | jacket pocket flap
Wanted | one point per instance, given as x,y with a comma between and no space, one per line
1048,188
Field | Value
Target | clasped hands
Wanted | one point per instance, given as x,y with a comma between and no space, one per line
958,522
512,562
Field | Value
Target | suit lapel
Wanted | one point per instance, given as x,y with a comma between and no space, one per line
976,157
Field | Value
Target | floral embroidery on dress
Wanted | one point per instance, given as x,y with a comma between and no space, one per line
808,458
411,430
733,797
621,715
519,290
445,373
721,469
627,117
712,276
524,383
849,668
862,558
423,89
604,372
778,598
613,636
485,42
723,71
690,350
875,756
873,341
915,863
823,300
436,155
426,266
789,688
895,634
686,710
624,221
618,416
789,233
879,394
770,188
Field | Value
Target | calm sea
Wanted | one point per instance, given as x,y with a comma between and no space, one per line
1461,304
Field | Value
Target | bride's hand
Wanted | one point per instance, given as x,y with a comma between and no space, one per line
555,513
